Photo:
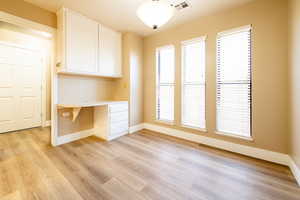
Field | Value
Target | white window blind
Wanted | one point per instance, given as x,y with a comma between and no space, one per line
234,82
193,83
165,73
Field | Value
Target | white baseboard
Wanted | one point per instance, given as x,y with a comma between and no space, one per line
117,136
136,128
74,136
47,123
263,154
295,170
271,156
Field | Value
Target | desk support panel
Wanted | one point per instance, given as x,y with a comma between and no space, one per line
76,112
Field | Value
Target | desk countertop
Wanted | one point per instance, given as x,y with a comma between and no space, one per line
88,104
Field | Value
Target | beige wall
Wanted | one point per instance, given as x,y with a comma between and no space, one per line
270,60
26,10
130,87
15,35
294,11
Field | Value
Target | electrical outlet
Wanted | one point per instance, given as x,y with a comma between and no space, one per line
66,114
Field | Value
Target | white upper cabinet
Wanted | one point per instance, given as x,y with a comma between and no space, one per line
87,48
81,43
110,52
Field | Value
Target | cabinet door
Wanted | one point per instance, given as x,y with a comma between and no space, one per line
110,55
81,43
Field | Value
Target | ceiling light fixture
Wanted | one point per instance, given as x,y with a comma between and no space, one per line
155,13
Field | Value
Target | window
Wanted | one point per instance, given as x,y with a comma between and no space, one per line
234,82
193,83
165,73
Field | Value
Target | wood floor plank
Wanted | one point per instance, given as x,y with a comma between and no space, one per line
116,171
82,181
12,196
121,191
145,166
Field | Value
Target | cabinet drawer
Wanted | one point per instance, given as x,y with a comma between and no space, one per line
118,107
119,116
116,128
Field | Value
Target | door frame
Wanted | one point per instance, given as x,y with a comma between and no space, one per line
48,61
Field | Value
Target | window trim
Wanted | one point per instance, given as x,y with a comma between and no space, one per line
183,83
194,40
235,30
227,32
157,84
234,136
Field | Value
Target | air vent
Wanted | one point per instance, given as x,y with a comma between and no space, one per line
182,5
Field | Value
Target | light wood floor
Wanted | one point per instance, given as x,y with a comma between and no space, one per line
139,166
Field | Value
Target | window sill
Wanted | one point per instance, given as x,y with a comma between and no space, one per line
194,128
235,136
172,123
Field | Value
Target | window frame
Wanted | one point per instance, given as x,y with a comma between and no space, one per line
158,84
230,32
184,83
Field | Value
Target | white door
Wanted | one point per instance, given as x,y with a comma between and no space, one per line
20,88
110,52
82,43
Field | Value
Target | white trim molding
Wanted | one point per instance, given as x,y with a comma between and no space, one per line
112,137
25,23
295,170
254,152
136,128
74,136
235,30
193,40
47,123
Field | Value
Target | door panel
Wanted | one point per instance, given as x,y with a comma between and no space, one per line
7,72
8,110
20,88
29,112
7,118
27,107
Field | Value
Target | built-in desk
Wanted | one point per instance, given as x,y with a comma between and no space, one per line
110,118
77,106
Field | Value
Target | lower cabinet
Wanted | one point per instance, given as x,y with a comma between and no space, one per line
111,121
118,120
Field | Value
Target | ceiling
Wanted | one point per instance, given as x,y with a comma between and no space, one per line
121,14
